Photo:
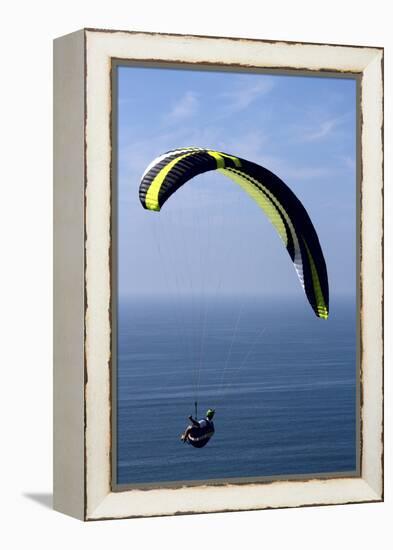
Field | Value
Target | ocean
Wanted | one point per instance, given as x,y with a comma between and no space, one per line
283,384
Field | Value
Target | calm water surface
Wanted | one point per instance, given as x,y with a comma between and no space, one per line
282,381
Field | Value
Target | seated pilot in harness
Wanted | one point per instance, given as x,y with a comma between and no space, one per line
199,432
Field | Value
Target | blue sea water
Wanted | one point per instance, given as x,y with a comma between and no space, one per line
282,381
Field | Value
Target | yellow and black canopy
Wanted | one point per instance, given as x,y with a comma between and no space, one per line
167,173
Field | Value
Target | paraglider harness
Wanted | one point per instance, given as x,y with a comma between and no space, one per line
199,432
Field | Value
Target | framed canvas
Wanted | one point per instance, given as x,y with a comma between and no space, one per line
176,300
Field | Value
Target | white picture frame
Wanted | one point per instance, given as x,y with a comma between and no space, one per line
83,291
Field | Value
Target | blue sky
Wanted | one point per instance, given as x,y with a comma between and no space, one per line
210,234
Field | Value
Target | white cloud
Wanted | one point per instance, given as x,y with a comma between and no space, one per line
242,97
322,129
349,162
185,107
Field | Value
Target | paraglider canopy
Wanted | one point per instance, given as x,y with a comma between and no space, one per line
167,173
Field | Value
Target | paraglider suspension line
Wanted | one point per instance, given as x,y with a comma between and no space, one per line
196,409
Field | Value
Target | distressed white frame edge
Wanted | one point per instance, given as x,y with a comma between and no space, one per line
69,275
99,501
